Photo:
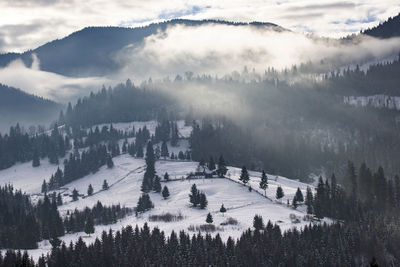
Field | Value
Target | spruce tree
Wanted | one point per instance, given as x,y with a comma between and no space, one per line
165,192
258,222
194,195
203,201
150,172
299,195
244,176
320,200
44,187
221,170
89,225
309,201
90,190
164,150
294,202
157,184
144,203
105,185
209,218
279,193
166,177
74,195
264,182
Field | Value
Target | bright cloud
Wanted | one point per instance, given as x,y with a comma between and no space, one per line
26,24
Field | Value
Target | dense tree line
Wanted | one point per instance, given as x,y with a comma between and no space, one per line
315,245
78,165
22,224
18,146
99,214
124,103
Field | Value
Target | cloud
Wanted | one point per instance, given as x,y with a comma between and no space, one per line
59,18
222,49
49,85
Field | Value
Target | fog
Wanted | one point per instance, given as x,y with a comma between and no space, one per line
211,49
222,49
47,84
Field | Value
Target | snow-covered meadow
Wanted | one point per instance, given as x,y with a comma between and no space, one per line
125,180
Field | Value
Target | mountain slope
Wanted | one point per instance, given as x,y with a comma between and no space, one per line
89,52
387,29
18,106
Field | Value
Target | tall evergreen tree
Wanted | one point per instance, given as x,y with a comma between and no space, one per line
105,185
165,192
164,150
157,184
89,225
209,218
258,222
299,195
90,190
221,170
309,201
244,176
150,172
264,182
279,193
74,195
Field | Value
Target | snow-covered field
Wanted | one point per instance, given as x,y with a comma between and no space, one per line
125,180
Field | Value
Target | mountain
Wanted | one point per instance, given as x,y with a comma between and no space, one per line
89,52
18,106
387,29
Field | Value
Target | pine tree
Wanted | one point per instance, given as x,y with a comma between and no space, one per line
44,187
105,185
166,177
165,192
264,182
89,226
144,203
74,195
222,170
244,176
209,218
203,201
164,150
309,201
157,184
258,222
194,195
299,195
222,209
150,172
294,202
279,193
90,190
320,200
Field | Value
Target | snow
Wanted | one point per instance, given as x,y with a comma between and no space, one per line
24,176
125,180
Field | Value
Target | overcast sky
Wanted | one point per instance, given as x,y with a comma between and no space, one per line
26,24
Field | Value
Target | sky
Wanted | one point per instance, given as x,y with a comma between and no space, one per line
26,24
